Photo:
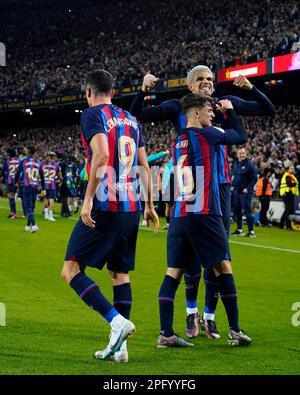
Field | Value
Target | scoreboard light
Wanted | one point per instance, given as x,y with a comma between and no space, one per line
150,97
274,83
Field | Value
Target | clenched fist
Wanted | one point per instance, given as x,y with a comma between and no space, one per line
224,105
149,82
242,82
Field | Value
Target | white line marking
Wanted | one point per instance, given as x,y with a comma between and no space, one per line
241,243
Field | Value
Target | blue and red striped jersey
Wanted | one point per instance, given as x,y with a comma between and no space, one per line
31,172
119,189
196,168
51,170
10,168
221,152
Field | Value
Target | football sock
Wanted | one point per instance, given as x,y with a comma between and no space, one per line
30,219
46,211
23,207
12,205
51,214
229,298
89,292
191,291
211,294
123,299
166,305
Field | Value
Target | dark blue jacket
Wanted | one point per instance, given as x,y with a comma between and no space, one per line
245,176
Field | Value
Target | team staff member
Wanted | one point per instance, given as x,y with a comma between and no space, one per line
288,190
244,179
264,193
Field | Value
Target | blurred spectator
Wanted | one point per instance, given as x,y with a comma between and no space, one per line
289,188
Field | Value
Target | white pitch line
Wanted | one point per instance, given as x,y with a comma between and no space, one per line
246,244
230,241
267,247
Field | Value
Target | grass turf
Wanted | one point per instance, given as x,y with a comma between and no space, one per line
50,331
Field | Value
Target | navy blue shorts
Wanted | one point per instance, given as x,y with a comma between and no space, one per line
112,241
50,193
225,201
11,188
196,238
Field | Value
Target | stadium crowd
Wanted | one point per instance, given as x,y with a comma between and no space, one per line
50,46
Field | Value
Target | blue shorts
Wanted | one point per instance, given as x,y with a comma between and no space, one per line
50,193
112,241
196,238
225,201
11,188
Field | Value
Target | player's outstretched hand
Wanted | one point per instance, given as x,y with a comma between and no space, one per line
150,215
224,105
242,82
149,82
86,214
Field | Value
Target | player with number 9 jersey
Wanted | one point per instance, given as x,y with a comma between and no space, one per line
118,190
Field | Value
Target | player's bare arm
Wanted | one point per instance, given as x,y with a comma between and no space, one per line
147,188
99,147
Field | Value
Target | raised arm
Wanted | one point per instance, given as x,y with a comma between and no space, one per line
235,132
260,105
165,111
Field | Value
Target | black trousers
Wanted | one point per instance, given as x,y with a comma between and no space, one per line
288,199
265,204
64,201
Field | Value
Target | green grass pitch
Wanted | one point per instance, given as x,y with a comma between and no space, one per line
50,331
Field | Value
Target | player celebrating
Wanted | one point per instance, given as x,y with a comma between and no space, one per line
10,168
196,229
31,171
108,227
52,174
200,80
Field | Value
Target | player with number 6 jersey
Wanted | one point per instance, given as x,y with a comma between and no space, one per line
196,231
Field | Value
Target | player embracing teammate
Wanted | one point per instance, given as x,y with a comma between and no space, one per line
200,80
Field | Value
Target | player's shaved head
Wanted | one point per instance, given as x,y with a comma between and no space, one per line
192,73
193,100
100,82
